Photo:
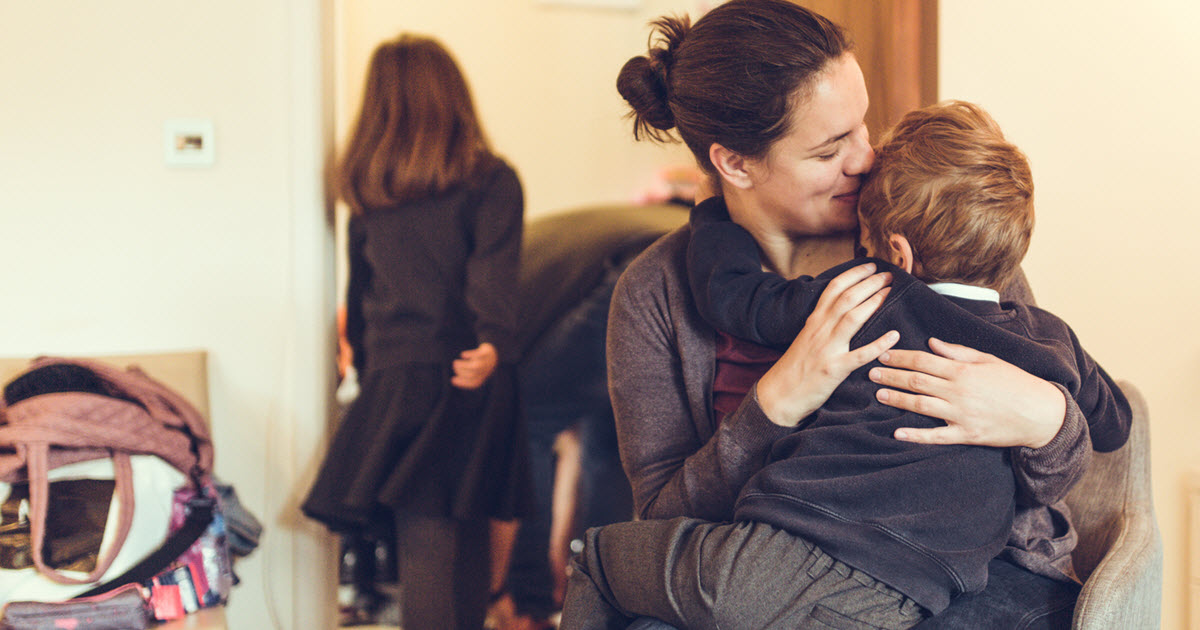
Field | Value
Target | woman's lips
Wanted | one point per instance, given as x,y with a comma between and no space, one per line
849,197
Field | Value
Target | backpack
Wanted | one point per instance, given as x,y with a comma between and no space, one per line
64,411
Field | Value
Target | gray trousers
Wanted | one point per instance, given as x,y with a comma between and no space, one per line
699,575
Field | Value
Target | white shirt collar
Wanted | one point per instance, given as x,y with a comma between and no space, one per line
966,291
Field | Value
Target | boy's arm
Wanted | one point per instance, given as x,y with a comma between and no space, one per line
1098,417
736,296
1103,403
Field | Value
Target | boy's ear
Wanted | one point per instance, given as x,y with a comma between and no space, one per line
730,166
900,252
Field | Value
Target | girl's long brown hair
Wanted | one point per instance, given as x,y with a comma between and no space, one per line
417,134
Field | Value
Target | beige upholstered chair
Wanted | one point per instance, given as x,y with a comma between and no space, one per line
1120,551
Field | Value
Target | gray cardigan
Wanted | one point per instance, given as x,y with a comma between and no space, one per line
661,360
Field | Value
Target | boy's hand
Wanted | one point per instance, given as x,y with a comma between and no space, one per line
473,367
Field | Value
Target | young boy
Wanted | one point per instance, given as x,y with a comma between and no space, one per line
948,208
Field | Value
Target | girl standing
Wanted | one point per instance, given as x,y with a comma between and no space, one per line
434,237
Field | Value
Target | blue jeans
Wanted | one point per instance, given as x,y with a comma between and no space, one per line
1014,599
563,384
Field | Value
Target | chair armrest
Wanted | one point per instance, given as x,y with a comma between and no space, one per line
1124,590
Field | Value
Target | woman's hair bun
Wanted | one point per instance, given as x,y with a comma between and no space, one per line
644,81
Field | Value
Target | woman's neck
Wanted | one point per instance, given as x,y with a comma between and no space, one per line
795,256
788,254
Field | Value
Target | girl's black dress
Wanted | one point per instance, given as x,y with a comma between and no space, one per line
429,279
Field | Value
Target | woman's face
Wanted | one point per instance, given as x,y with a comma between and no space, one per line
808,182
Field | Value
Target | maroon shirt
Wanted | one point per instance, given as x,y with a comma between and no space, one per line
740,364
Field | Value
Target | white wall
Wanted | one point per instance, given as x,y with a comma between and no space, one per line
106,250
1103,95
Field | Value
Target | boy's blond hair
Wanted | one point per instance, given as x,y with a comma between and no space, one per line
947,180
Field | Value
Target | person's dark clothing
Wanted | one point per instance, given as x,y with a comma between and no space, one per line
570,263
433,277
428,280
925,519
567,255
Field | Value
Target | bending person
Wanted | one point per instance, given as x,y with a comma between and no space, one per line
570,263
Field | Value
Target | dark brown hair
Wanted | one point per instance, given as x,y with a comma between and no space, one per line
947,180
417,133
732,78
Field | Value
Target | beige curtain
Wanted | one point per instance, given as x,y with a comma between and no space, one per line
896,45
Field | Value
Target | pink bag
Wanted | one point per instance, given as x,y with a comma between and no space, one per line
63,411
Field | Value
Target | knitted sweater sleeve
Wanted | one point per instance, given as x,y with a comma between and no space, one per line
359,278
730,288
491,288
660,357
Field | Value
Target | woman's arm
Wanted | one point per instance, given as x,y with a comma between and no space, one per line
679,464
820,357
986,394
990,402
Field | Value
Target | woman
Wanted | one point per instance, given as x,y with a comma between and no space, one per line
434,240
769,98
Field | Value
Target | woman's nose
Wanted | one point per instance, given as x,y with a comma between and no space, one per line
861,156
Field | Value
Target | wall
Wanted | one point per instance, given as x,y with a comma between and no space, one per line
1103,95
544,80
106,250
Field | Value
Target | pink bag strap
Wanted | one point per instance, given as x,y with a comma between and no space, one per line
37,463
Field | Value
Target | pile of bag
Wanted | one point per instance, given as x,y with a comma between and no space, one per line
109,514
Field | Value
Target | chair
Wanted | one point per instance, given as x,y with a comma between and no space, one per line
1120,552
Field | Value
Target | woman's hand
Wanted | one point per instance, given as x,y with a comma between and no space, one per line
984,400
820,357
473,367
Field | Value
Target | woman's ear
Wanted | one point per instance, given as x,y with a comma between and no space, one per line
900,252
730,166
